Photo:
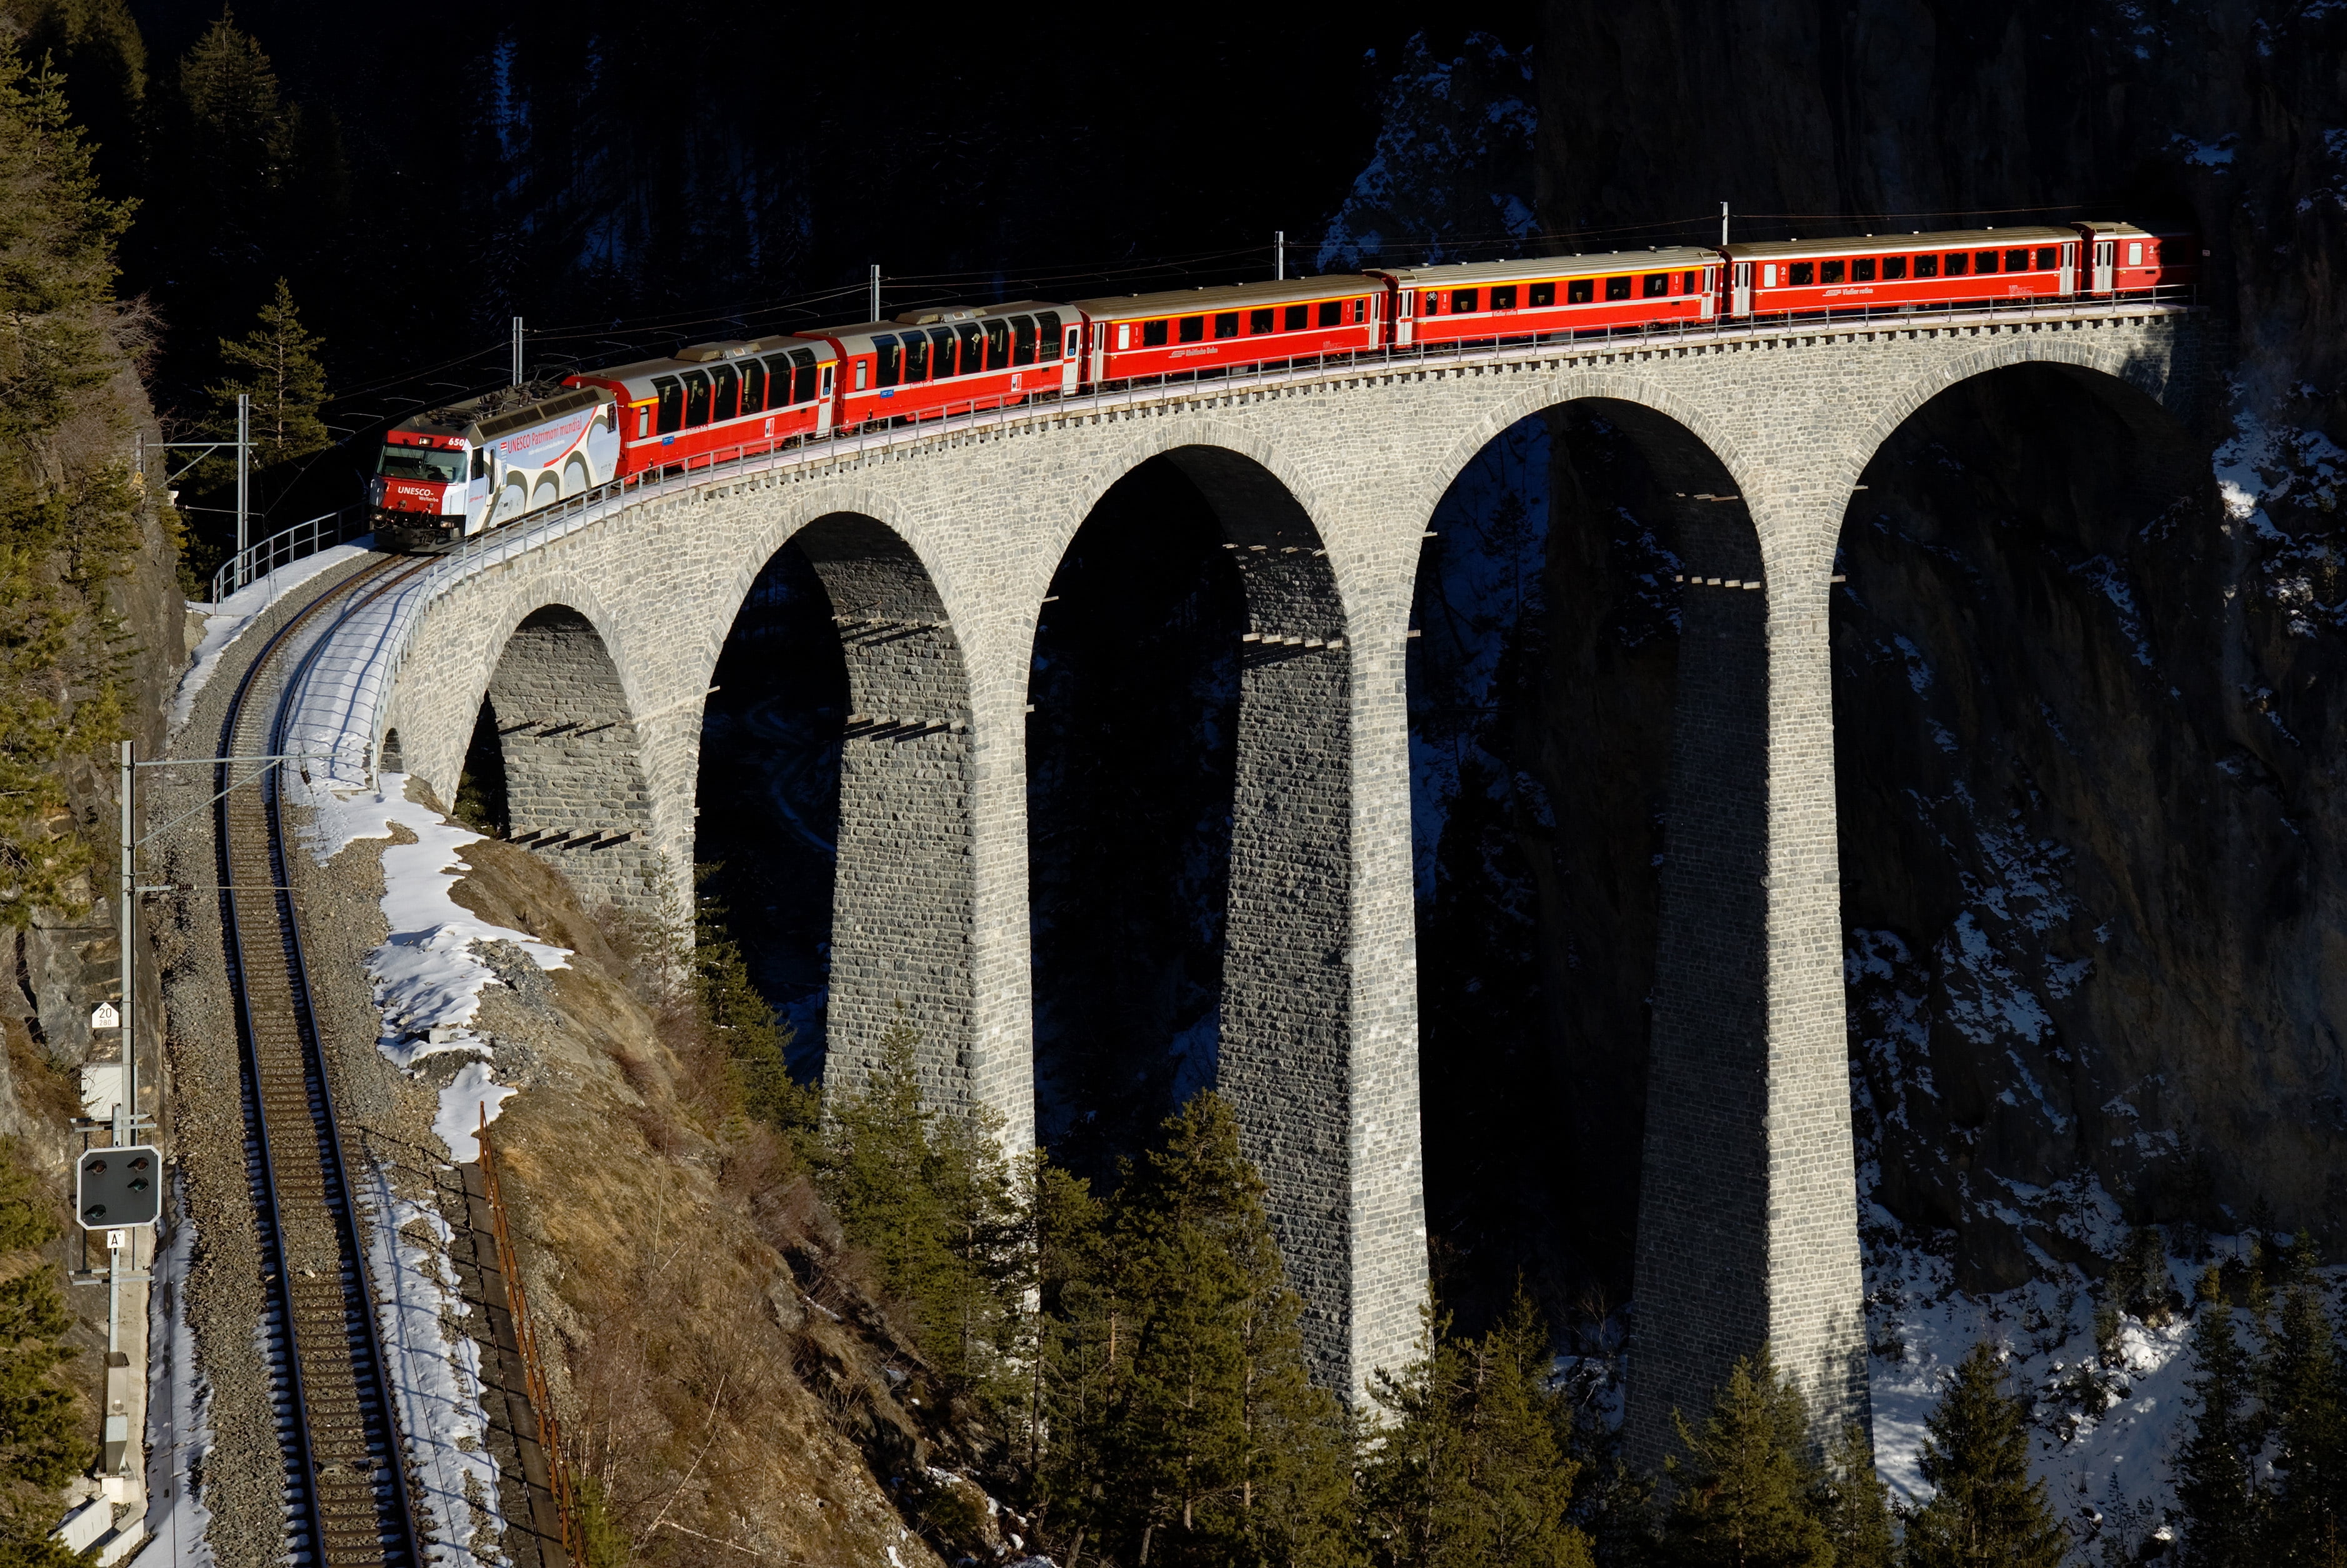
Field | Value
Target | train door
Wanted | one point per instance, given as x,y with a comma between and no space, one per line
824,403
1741,305
2070,267
1710,305
2107,255
1068,360
1406,316
1100,352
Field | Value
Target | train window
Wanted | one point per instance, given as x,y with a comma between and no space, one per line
1862,270
643,428
802,376
1298,318
1022,339
1617,288
2134,253
1830,271
1227,324
1504,298
973,348
2016,261
1332,312
1074,335
1543,294
1801,273
1433,303
725,387
1153,334
696,399
1984,261
891,360
1261,321
753,387
2046,256
671,393
1193,329
1686,284
917,357
1360,310
941,352
1580,291
1957,262
998,345
1656,285
1047,335
1893,268
863,367
1927,266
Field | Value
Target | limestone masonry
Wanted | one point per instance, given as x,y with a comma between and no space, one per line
593,638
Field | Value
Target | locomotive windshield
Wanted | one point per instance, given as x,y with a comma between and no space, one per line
442,468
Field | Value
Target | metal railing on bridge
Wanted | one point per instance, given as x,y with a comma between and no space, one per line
251,565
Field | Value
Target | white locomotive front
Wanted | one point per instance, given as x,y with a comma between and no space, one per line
452,472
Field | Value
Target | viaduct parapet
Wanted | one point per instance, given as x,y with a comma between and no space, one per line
592,635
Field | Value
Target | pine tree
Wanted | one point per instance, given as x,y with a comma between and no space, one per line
234,141
930,1196
1475,1465
2215,1475
1857,1504
1211,1444
1986,1509
1746,1491
276,365
40,1442
67,502
755,1040
2306,1519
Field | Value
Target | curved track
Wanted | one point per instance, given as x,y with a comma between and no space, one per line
346,1492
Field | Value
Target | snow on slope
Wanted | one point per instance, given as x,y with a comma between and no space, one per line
226,621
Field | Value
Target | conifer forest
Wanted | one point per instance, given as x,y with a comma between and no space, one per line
653,1281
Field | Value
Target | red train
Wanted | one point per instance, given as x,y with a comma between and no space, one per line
455,471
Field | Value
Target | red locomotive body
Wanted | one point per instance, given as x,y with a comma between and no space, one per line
716,397
1232,325
1551,294
927,363
1822,276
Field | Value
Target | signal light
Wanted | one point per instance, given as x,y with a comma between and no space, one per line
114,1188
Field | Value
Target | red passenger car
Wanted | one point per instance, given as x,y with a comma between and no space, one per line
1551,294
1903,270
1233,324
926,364
718,397
2123,259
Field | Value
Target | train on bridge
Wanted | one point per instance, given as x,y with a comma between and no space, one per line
455,471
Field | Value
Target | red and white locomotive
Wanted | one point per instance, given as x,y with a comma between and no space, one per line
455,471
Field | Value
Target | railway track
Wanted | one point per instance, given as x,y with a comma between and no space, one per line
346,1486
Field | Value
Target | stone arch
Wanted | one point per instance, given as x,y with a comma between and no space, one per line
2157,381
903,902
575,783
1286,1057
1702,1261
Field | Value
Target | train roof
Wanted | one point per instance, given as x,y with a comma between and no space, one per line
503,411
856,336
1228,296
1878,245
1652,260
637,376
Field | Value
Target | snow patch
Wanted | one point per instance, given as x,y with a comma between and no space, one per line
226,621
472,1099
436,1368
427,977
179,1411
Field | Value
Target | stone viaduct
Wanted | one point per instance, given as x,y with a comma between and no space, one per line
594,632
